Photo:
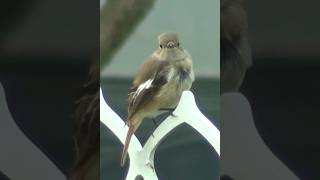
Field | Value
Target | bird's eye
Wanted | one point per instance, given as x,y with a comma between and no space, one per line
160,46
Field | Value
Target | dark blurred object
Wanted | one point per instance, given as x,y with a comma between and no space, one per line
282,86
283,83
3,177
48,28
284,28
46,48
225,177
118,20
87,128
283,93
234,45
41,102
12,13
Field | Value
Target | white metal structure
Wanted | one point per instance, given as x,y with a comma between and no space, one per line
142,158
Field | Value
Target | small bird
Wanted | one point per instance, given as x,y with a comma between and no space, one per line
159,84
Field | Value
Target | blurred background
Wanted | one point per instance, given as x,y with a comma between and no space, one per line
283,83
184,154
45,54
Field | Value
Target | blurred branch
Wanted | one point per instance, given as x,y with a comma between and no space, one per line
12,14
118,20
234,45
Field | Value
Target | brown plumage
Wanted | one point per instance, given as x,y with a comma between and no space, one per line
159,84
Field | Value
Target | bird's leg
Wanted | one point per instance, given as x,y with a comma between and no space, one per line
150,165
155,125
167,109
154,122
170,110
171,113
125,123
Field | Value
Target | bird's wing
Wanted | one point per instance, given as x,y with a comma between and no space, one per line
147,83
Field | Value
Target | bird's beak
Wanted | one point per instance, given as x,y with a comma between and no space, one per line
170,44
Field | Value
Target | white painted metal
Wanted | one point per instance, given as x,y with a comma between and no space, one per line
142,158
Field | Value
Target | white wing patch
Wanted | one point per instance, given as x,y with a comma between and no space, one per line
146,85
170,74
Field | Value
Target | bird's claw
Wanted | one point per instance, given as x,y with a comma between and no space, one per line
154,121
167,109
150,165
171,114
170,110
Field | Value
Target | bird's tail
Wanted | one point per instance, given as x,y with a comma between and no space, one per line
126,145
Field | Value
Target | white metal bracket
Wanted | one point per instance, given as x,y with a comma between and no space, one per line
142,158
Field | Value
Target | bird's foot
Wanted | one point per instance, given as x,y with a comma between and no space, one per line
125,124
167,109
150,165
170,110
154,122
171,114
155,126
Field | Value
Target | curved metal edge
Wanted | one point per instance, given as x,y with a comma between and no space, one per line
109,118
198,121
137,167
142,159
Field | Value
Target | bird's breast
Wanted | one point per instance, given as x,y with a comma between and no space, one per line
179,79
181,73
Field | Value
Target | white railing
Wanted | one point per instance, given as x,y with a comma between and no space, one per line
142,158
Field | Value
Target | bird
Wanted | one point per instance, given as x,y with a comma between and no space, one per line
158,85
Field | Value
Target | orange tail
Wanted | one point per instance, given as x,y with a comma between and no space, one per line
126,145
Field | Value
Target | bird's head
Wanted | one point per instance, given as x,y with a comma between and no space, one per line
169,40
169,46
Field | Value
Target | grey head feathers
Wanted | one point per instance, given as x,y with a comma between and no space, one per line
169,40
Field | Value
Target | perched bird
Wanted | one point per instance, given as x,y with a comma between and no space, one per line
159,84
